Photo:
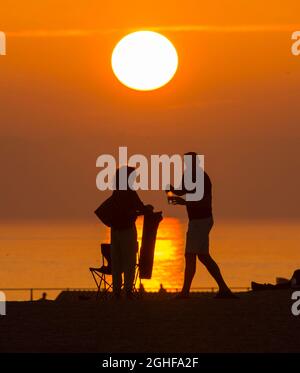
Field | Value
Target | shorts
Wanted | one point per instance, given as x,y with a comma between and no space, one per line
197,236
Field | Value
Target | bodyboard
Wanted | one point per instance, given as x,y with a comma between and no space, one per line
150,227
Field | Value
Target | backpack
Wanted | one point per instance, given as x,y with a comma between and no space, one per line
107,211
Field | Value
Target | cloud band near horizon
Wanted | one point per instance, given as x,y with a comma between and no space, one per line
179,28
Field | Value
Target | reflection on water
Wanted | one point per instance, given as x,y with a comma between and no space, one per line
59,255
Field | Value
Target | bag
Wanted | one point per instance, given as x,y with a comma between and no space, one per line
106,211
295,281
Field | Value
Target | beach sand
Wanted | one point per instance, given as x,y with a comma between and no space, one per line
257,322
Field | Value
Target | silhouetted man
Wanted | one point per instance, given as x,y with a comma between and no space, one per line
197,238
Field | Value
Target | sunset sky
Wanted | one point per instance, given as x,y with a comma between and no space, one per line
235,99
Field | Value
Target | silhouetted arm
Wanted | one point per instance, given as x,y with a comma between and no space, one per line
182,191
178,192
178,201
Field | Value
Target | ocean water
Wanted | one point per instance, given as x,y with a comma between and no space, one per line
58,255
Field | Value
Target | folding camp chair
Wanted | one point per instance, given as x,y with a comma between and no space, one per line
102,275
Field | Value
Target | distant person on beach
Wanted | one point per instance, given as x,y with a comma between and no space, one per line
124,235
162,290
197,237
44,297
282,283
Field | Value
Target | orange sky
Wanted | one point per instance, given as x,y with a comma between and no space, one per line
235,98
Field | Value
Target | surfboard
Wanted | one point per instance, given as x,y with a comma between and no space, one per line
150,227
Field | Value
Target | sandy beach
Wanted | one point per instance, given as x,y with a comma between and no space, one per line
257,322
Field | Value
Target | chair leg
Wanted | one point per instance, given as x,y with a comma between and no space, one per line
104,278
96,282
99,287
100,281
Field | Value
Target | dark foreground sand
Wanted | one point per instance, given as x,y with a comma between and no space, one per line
257,322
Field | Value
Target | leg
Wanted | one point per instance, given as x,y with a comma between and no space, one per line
129,258
214,270
189,273
116,261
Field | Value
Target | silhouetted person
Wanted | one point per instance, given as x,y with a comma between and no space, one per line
197,238
124,235
142,289
162,290
44,297
293,283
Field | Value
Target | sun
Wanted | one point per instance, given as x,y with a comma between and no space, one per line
144,60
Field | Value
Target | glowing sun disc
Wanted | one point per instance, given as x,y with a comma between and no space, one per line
144,60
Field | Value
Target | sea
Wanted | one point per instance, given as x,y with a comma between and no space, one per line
58,255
